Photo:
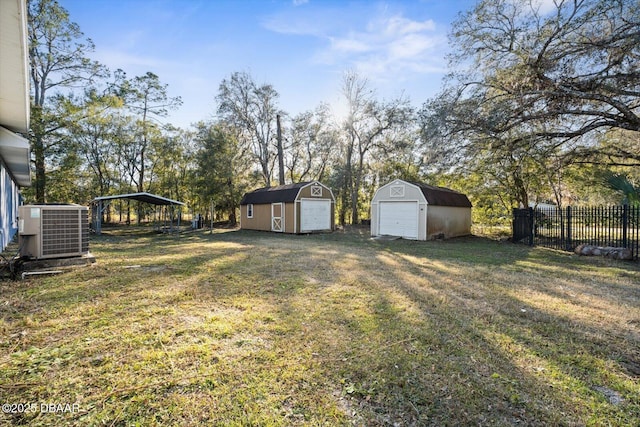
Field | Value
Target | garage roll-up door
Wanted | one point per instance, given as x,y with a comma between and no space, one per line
398,219
315,215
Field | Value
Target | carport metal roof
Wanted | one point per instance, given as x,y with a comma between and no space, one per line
142,197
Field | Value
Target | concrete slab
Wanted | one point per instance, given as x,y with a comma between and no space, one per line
50,263
386,238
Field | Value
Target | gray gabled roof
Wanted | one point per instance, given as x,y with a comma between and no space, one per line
142,197
282,193
441,196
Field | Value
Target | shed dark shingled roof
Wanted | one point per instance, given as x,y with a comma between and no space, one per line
282,193
440,196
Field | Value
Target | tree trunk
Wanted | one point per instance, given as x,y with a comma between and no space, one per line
347,187
141,182
280,153
355,192
41,176
521,191
37,127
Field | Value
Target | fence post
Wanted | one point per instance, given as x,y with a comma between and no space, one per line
532,220
625,225
568,243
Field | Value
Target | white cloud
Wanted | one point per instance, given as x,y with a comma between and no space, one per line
303,22
545,6
387,48
300,2
391,48
350,45
397,25
410,46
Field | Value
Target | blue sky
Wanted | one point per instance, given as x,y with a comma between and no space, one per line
301,47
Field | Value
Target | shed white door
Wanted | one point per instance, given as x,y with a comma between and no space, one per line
398,219
315,215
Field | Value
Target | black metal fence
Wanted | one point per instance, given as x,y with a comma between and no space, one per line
566,228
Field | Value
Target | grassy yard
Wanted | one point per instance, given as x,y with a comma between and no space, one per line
250,328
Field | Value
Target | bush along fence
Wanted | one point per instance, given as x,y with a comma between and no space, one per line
604,230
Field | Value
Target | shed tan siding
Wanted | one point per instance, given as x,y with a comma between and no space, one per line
261,217
291,213
448,222
448,215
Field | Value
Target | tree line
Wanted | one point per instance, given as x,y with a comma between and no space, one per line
540,104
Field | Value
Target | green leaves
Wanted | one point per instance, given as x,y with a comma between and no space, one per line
623,185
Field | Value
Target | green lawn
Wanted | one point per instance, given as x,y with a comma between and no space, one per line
251,328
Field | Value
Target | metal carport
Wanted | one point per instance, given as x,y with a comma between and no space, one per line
152,199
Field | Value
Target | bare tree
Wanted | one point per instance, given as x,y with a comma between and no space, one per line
312,142
536,84
574,69
370,125
253,111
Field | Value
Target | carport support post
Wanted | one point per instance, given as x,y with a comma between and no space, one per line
212,212
98,224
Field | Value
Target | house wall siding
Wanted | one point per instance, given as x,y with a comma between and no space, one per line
9,202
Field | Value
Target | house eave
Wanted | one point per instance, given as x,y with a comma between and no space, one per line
15,154
14,66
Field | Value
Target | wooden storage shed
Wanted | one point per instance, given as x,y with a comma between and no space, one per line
304,207
419,211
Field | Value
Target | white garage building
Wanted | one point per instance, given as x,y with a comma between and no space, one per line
419,211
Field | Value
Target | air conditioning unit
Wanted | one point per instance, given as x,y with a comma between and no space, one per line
53,231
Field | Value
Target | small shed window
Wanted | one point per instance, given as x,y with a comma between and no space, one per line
250,210
397,191
316,191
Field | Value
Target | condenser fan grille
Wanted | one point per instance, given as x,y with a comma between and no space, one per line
64,231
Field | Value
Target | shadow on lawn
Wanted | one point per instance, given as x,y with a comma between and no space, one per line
535,353
411,333
478,352
510,357
472,352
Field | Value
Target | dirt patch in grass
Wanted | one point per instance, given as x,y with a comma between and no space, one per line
250,328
